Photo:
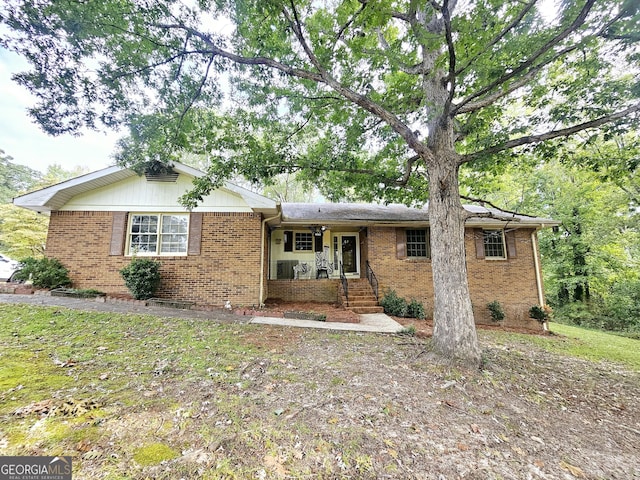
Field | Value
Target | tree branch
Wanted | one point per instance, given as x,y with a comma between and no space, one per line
483,202
490,99
299,128
197,93
321,76
239,59
525,65
451,77
498,37
297,29
180,55
348,24
564,132
407,172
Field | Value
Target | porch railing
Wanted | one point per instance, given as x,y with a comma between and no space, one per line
345,283
373,280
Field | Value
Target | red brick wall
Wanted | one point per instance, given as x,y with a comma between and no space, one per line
320,290
511,282
228,267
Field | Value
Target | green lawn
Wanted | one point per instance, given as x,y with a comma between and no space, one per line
593,345
597,345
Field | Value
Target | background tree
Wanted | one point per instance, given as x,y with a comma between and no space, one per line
591,262
14,178
384,99
23,233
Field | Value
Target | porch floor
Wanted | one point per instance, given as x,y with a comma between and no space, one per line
371,322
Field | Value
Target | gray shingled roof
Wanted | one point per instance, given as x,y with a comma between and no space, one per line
364,213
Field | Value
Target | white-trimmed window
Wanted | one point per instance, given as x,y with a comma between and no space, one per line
494,244
158,234
418,243
304,242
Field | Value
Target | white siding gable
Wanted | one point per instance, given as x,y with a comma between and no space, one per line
137,194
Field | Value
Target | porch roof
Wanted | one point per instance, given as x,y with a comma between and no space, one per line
395,214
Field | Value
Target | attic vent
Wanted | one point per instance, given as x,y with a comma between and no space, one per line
169,176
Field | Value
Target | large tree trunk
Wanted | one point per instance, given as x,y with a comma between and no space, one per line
454,332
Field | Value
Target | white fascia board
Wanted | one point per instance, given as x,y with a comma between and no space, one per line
44,200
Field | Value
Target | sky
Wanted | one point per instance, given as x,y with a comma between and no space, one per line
23,140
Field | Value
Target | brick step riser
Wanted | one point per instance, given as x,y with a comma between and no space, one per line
367,303
359,297
351,289
363,304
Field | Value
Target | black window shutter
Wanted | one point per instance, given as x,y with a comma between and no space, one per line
288,241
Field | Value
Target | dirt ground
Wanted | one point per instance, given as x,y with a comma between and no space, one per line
301,403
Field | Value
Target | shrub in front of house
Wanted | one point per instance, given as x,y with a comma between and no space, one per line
541,314
496,311
393,304
142,277
43,272
415,309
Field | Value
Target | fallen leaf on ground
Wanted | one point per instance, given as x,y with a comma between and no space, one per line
275,464
572,469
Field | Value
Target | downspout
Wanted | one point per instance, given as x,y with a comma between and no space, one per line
534,245
263,240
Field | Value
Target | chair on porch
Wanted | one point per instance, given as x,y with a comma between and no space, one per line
323,266
300,268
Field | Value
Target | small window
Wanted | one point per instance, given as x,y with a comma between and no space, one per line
158,234
493,244
304,242
418,243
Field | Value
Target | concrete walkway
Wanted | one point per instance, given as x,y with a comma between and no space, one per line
370,322
374,322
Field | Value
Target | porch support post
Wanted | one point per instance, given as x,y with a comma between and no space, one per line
263,243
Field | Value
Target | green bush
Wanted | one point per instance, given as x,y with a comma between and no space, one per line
43,272
577,313
142,277
415,309
393,304
538,313
496,311
409,331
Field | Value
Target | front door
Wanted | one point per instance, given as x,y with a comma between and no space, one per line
346,249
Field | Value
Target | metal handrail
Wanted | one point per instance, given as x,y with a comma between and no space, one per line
345,283
373,280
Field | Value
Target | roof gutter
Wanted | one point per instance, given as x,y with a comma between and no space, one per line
262,249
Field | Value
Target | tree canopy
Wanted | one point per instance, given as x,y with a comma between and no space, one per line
370,99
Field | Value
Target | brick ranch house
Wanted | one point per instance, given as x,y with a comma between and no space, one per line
241,247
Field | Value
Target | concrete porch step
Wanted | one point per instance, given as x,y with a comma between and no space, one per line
363,310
